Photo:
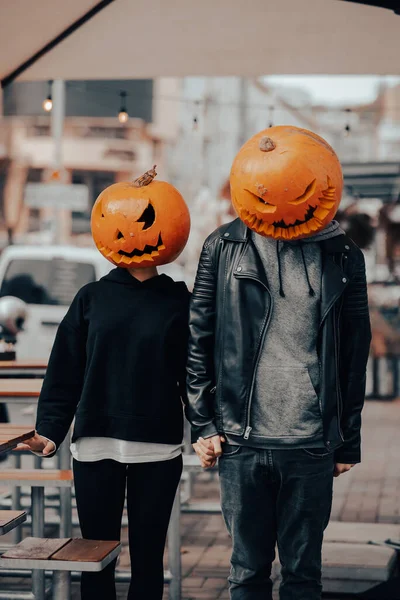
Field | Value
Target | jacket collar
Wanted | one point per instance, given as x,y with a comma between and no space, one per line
334,279
236,231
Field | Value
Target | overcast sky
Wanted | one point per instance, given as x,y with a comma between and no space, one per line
336,89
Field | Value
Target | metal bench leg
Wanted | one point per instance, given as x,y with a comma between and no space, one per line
61,585
65,493
62,579
174,549
16,500
38,577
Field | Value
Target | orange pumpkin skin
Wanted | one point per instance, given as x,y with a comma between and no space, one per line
286,183
141,227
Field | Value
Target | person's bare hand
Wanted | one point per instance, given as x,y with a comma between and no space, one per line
342,468
37,443
208,450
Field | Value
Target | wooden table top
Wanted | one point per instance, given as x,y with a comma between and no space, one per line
12,435
22,364
37,477
63,554
17,388
10,519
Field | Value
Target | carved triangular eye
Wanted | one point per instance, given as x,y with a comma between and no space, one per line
309,191
148,217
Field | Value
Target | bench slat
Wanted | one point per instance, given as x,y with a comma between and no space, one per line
36,548
10,519
37,477
18,388
85,550
7,516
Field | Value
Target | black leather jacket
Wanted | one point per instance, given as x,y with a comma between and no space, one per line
229,317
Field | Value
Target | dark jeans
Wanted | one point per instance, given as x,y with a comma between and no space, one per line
276,496
100,495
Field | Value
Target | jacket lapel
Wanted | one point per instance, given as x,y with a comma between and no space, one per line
334,279
250,264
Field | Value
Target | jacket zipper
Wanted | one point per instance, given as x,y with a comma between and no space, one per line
336,341
257,358
338,390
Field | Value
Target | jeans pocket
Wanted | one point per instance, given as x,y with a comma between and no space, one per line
230,450
318,452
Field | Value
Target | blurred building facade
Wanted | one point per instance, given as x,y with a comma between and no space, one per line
97,150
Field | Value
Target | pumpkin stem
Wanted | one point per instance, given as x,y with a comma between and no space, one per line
266,144
146,178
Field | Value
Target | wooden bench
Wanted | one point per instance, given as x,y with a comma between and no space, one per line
9,519
38,479
60,556
22,369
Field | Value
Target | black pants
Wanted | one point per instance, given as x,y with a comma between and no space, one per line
100,495
276,496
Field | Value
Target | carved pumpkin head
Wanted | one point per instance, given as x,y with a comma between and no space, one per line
141,223
286,183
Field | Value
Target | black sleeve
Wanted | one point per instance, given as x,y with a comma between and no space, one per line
355,343
62,386
200,368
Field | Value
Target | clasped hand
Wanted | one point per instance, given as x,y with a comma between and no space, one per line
208,450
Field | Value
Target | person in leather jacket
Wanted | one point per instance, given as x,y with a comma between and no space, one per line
279,342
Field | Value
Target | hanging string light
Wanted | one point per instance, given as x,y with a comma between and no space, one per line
123,113
271,116
347,128
196,115
48,102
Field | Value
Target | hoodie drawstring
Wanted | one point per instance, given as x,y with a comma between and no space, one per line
281,292
310,288
311,291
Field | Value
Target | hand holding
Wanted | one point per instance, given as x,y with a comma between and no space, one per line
208,450
37,443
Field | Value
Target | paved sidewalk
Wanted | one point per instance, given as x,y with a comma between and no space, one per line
369,493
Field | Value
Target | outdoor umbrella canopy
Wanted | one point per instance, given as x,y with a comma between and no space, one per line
119,39
395,6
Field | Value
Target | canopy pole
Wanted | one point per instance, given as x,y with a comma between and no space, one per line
57,129
54,42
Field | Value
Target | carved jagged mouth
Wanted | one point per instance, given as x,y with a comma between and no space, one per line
308,216
146,250
313,219
120,257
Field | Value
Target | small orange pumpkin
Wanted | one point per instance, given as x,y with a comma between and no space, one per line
141,223
286,183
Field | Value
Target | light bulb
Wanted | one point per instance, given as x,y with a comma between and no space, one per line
123,116
47,104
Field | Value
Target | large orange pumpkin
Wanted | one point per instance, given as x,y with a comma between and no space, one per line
286,183
141,223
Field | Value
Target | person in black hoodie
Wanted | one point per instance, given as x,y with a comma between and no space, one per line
118,367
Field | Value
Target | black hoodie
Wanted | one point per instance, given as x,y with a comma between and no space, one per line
118,362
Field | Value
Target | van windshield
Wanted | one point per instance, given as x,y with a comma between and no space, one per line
39,281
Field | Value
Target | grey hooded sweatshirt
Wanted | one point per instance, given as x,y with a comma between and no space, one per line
285,410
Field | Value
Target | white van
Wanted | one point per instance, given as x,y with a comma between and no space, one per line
47,279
